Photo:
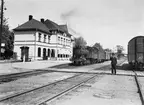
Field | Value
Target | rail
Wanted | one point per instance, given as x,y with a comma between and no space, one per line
139,88
14,76
38,96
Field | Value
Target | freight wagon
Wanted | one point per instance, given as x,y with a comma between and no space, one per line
136,52
94,56
108,54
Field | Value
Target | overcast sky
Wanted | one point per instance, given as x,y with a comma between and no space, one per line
109,22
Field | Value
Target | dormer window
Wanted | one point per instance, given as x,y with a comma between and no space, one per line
64,34
53,32
39,37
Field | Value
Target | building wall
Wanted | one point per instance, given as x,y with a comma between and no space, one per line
22,36
51,42
24,39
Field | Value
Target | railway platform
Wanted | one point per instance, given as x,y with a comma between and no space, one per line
8,68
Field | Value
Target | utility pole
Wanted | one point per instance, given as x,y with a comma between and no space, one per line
1,30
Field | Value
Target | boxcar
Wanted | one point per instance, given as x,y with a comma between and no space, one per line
136,51
107,55
101,56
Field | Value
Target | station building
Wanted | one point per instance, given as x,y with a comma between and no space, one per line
42,40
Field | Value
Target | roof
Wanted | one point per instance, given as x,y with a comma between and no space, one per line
46,27
65,28
33,25
136,38
52,25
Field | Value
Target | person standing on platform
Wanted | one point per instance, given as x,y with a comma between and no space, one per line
113,63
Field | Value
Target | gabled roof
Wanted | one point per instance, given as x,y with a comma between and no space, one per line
33,25
65,28
52,25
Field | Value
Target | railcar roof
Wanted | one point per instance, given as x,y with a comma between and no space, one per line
135,38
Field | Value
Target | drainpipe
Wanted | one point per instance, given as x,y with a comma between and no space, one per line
35,46
56,46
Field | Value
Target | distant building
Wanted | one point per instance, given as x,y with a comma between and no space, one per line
42,40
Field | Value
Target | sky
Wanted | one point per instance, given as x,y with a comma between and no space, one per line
108,22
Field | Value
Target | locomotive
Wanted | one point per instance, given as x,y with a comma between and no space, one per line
92,56
136,52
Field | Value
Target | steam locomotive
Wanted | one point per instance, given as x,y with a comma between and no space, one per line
93,56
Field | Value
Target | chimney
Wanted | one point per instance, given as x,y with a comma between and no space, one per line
42,20
30,17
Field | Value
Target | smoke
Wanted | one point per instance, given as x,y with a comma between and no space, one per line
69,14
66,17
73,32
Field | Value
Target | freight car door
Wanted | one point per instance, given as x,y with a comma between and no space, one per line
140,49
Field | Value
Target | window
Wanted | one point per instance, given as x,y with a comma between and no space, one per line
44,52
58,39
64,34
39,37
49,39
44,38
61,40
64,41
48,52
39,52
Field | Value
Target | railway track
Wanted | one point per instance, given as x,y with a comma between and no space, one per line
48,92
139,88
15,76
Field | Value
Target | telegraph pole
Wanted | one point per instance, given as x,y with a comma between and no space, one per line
1,30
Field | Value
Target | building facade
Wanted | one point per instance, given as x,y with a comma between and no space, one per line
42,40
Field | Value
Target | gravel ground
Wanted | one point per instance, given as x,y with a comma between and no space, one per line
31,82
141,82
109,90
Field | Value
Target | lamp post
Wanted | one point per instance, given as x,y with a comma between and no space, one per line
1,30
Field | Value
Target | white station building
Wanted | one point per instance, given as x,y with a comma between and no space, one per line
42,40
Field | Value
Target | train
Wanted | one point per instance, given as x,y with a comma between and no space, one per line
136,52
93,56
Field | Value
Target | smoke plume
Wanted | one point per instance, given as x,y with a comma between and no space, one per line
66,17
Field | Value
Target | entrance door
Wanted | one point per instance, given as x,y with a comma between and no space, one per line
24,53
44,54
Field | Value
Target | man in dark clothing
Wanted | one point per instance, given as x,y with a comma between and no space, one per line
113,64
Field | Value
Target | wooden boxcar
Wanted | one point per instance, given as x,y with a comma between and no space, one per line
136,51
107,55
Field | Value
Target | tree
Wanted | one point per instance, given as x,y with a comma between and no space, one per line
80,42
7,37
108,50
79,48
98,46
120,50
